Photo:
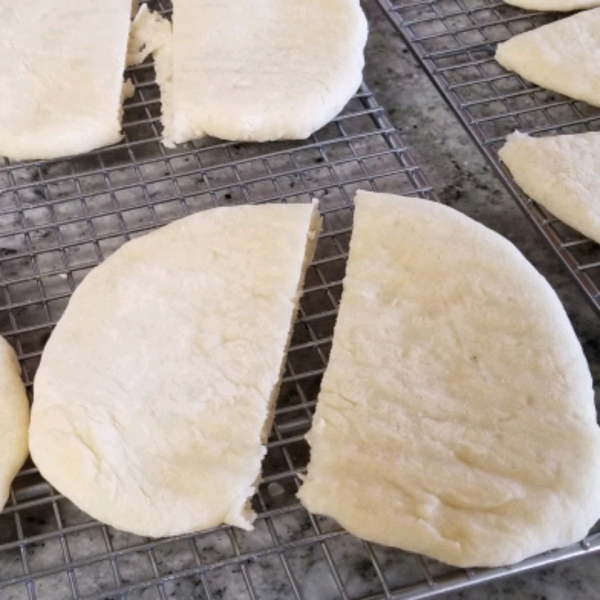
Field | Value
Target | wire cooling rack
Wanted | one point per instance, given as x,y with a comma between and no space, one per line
455,42
59,219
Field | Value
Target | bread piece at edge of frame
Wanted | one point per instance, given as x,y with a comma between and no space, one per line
456,416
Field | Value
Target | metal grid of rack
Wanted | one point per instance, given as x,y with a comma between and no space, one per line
59,219
455,42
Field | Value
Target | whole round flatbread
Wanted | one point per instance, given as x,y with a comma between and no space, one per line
156,390
262,70
456,417
14,419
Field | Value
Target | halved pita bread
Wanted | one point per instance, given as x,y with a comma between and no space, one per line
563,56
61,75
156,390
456,417
14,419
560,172
554,5
262,70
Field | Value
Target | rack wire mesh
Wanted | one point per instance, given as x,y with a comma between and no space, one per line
59,219
455,42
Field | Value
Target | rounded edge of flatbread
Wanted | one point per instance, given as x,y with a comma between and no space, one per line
554,5
334,486
319,86
14,419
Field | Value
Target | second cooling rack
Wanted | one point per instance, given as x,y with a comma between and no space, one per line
455,42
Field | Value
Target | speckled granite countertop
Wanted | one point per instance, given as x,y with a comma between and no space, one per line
462,179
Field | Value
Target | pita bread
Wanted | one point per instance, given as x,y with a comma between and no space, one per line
156,389
61,76
262,70
563,56
14,419
561,173
554,5
456,417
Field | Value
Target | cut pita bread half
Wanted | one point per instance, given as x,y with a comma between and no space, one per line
562,173
456,416
258,71
563,56
156,391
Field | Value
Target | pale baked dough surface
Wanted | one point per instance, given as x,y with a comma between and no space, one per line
263,70
154,388
563,56
14,419
61,75
456,417
554,5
